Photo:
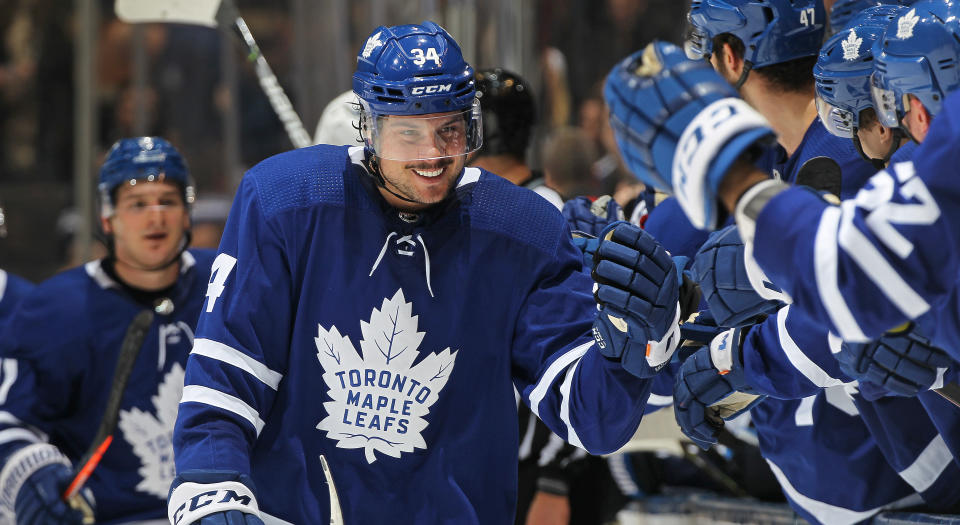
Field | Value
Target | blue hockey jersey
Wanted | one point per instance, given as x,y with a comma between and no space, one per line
58,362
789,357
818,142
391,345
12,290
826,460
887,255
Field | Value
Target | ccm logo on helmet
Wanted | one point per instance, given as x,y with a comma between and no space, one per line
429,90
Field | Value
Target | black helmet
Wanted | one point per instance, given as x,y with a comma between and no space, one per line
508,112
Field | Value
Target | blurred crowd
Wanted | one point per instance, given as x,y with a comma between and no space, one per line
167,80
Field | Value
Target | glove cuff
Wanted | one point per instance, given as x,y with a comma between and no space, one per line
21,465
189,501
725,356
707,148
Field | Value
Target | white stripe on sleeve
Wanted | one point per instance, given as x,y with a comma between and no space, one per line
572,436
215,398
550,375
797,358
232,356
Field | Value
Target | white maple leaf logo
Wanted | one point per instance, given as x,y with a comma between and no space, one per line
151,436
372,43
906,23
380,400
851,46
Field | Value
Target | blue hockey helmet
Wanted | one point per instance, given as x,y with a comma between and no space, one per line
918,55
844,11
772,31
142,158
417,70
843,69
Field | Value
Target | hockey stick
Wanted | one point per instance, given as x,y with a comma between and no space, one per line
129,350
336,516
222,13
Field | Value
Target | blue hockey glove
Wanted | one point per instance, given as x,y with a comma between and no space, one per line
711,387
213,497
31,486
901,361
591,217
680,126
720,269
637,291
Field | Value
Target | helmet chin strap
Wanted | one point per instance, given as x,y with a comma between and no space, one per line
898,135
747,66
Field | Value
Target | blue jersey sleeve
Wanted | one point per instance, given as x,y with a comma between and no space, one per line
885,256
36,385
788,356
587,399
240,348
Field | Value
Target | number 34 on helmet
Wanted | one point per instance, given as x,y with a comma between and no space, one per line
416,73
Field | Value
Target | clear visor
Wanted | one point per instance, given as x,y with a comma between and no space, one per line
423,137
694,46
885,103
839,122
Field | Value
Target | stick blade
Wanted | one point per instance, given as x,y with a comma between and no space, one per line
195,12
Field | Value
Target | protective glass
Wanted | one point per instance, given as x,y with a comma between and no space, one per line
885,103
423,137
839,122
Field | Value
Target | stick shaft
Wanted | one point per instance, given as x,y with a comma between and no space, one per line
271,87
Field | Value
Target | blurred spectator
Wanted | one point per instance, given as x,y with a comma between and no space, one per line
68,222
209,216
568,158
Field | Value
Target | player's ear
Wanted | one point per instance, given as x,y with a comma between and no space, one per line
733,63
919,118
106,226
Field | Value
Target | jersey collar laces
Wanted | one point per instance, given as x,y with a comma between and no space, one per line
405,245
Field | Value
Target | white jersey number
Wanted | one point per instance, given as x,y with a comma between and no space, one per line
221,269
885,214
420,58
807,16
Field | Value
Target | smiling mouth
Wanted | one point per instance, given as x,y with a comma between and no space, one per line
429,173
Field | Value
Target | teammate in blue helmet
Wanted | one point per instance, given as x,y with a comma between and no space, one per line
62,345
842,77
767,50
141,161
916,66
375,308
761,33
